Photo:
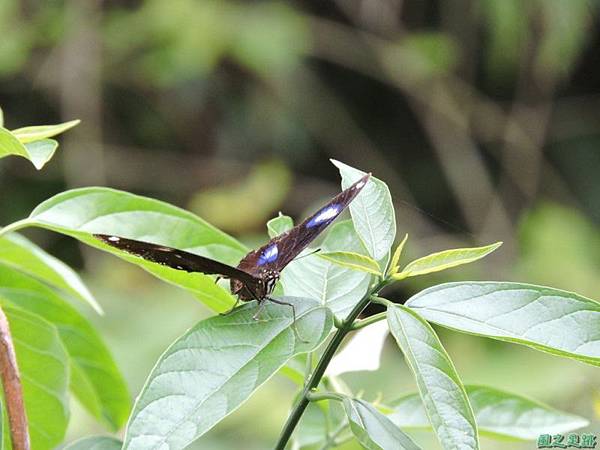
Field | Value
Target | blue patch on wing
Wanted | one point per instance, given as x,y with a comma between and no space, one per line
268,255
326,215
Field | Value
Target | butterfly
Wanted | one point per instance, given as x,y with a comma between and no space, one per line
257,273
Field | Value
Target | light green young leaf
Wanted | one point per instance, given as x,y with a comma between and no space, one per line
279,225
95,379
22,254
95,443
499,414
447,259
44,369
80,212
10,145
394,263
40,152
372,212
332,285
40,132
547,319
441,390
353,261
373,430
216,366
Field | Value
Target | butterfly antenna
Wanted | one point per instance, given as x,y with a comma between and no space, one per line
308,254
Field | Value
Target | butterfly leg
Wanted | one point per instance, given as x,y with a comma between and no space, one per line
296,332
261,306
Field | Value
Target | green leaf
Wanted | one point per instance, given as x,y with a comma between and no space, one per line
279,225
80,212
95,379
332,285
353,261
373,430
547,319
499,414
44,369
10,145
42,132
394,263
372,212
24,255
95,443
441,390
215,367
447,259
41,152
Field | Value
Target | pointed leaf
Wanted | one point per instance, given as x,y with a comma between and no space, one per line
95,378
44,369
40,152
499,414
80,212
394,263
441,390
437,262
373,430
353,261
548,319
95,443
40,132
22,254
334,286
215,367
372,212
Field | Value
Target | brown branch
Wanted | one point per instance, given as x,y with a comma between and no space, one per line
13,393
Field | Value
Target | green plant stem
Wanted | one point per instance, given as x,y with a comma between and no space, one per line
369,320
315,379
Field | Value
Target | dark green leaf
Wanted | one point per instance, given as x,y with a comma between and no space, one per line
441,390
215,367
548,319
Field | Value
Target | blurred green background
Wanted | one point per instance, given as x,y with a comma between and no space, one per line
481,115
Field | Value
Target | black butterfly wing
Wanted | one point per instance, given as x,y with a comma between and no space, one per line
281,250
177,259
